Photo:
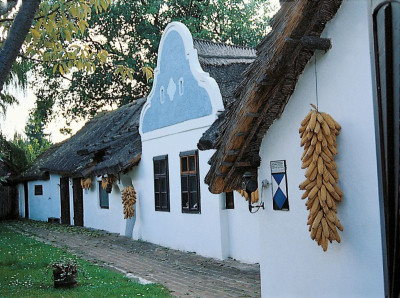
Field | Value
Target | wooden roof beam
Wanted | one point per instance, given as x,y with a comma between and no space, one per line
312,42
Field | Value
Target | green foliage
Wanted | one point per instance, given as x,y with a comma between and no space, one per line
19,153
24,272
16,79
129,32
3,179
13,157
49,42
57,25
31,149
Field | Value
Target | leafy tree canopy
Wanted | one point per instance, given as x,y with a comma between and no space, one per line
50,42
121,42
19,153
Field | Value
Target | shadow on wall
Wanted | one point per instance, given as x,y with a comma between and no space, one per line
130,224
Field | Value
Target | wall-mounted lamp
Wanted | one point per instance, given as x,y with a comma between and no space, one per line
249,185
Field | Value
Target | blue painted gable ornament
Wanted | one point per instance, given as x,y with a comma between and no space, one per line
183,96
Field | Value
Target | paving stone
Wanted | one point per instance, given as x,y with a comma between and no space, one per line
185,274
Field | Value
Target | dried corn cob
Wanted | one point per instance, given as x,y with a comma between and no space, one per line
110,179
254,195
318,132
86,183
129,200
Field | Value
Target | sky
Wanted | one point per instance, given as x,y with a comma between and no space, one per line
17,115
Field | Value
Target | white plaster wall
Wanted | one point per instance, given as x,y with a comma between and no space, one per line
111,219
200,233
243,229
47,205
292,265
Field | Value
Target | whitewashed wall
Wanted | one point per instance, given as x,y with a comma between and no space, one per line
243,231
174,124
41,207
200,233
292,265
111,219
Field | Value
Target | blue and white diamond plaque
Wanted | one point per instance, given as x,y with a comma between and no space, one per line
279,185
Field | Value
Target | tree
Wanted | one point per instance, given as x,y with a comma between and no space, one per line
16,36
56,23
129,32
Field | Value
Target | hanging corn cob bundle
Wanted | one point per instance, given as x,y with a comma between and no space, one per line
110,179
254,195
86,183
318,134
128,200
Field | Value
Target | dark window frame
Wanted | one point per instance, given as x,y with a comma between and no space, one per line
229,200
188,174
38,190
157,177
101,190
386,108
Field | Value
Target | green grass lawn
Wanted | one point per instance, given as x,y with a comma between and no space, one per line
24,272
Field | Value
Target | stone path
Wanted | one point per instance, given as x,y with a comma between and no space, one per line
185,274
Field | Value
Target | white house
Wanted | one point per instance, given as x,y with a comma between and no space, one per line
193,81
341,56
320,52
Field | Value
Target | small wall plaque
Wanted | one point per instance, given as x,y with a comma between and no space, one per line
279,185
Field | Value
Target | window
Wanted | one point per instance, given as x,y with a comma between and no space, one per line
161,183
190,188
38,190
229,201
104,200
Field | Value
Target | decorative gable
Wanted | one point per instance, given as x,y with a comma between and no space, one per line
182,92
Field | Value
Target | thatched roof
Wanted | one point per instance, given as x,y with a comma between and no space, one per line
108,144
217,54
264,92
226,64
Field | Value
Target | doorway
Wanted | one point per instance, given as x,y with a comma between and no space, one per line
26,199
78,201
64,196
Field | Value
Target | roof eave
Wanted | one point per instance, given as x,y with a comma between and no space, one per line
263,94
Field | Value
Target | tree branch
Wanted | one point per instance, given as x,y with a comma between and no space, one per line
39,17
16,37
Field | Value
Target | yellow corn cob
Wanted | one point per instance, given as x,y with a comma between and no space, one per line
318,134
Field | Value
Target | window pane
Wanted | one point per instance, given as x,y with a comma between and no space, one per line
229,202
184,164
162,166
192,163
164,200
156,185
193,183
156,167
38,190
104,203
194,202
185,200
184,183
163,185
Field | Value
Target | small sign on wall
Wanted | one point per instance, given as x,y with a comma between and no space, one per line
279,185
